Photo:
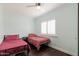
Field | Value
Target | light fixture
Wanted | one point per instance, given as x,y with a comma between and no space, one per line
38,7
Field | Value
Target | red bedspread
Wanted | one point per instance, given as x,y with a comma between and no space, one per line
12,47
37,40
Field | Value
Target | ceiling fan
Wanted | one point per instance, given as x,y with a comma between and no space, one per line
35,5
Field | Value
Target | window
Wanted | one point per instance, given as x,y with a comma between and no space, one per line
43,27
48,27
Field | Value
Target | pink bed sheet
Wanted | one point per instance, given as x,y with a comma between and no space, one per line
12,46
37,41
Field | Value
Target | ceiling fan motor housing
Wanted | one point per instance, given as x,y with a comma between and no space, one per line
38,4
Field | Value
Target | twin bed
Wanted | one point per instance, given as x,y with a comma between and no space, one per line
12,45
37,41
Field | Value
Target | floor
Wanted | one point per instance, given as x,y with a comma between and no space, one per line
44,51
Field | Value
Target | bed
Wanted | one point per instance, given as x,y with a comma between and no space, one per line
13,45
37,41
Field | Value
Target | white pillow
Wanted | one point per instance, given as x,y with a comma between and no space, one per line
1,38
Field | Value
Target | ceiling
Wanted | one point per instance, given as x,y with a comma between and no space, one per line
30,11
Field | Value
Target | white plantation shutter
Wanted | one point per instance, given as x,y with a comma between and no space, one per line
48,27
43,27
51,27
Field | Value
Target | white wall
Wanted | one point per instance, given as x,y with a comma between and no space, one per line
1,19
66,28
15,23
1,23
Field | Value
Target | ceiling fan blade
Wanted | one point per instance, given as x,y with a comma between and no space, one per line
31,6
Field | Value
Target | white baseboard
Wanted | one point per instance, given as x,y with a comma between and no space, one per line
63,50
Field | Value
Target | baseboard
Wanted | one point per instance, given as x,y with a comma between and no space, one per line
63,50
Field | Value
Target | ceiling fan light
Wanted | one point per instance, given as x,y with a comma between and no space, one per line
38,7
